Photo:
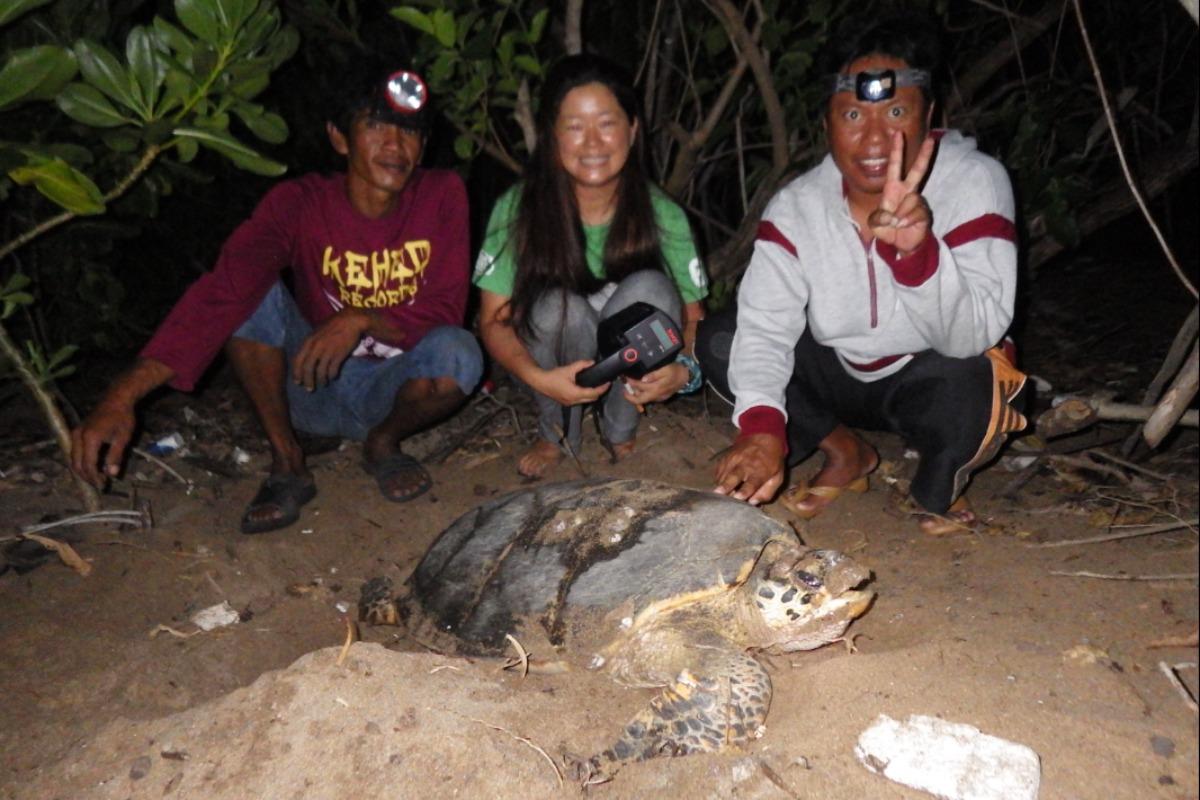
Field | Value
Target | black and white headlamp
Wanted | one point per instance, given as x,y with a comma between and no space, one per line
402,99
872,87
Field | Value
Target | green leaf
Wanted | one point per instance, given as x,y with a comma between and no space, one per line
101,69
230,13
82,103
179,42
204,61
11,9
157,132
464,147
538,25
281,46
444,28
414,17
269,127
147,68
529,64
19,280
179,86
120,140
235,151
198,17
247,79
187,149
505,50
62,184
36,73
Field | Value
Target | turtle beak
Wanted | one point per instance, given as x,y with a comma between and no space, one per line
857,602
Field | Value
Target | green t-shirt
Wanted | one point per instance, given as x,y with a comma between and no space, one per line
495,268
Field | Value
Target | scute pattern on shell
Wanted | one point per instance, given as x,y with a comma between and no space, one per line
594,545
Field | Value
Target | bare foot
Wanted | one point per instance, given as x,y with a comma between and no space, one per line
539,458
848,462
624,449
959,518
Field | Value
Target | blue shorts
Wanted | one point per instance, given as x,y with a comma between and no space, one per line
362,394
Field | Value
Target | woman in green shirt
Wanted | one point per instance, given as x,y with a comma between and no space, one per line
582,237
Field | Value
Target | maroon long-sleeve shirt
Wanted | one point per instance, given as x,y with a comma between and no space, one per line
409,265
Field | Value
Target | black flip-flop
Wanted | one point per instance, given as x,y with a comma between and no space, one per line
389,467
285,492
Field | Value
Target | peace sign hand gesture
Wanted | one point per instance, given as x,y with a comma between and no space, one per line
903,216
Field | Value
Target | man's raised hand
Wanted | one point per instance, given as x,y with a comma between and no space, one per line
903,216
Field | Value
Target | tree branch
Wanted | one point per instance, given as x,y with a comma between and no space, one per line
1161,170
982,70
735,28
573,28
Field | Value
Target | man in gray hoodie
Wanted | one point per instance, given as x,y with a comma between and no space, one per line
879,292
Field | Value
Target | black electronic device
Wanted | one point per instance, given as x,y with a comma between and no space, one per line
634,341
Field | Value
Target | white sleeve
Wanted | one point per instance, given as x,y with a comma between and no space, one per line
771,318
959,289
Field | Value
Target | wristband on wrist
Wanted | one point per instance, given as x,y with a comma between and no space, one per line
695,377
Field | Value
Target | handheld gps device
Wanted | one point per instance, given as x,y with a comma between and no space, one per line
634,341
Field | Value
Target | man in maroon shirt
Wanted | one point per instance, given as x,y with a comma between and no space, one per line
366,343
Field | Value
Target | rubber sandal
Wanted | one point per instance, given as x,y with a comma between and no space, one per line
792,498
959,518
285,492
388,468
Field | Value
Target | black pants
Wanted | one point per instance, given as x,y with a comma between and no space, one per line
941,406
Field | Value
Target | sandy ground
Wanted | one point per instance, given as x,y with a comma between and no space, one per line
973,628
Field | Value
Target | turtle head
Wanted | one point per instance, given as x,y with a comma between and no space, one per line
807,598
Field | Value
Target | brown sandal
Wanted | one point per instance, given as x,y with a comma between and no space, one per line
959,518
793,499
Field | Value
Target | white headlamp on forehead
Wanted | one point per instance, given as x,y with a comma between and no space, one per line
872,87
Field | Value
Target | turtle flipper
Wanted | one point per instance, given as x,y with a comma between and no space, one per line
377,602
724,706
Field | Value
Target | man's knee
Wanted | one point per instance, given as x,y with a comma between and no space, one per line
456,361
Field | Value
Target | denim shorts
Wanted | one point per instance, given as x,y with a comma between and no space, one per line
362,394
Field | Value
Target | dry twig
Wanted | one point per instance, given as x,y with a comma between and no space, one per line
157,629
350,637
165,467
528,743
1171,671
1130,534
522,658
1176,576
65,552
1112,127
121,517
1186,640
1158,476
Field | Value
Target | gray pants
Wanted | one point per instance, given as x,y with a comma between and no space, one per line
564,330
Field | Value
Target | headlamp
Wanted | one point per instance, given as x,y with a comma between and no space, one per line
405,92
872,87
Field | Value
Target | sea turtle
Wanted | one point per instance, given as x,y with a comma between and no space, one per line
662,587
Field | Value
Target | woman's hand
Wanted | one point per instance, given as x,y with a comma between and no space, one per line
559,385
656,386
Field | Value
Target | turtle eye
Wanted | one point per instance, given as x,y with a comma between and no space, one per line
808,579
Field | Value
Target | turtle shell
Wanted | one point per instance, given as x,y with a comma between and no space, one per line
563,556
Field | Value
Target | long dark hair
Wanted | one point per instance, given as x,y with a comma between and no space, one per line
550,248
